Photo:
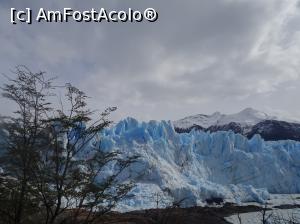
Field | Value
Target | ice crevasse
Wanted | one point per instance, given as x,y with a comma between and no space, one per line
192,167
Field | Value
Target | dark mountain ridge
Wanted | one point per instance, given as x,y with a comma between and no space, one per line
269,130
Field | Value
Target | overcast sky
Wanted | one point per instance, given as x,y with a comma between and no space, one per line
199,57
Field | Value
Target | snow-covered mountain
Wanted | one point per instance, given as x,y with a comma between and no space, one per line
246,117
196,166
248,122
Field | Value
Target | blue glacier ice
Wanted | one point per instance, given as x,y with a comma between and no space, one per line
196,166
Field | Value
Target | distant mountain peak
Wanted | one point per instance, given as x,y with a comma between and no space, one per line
255,113
249,110
246,117
247,122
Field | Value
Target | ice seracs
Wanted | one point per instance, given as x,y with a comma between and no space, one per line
192,167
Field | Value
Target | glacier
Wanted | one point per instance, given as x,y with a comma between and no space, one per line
192,167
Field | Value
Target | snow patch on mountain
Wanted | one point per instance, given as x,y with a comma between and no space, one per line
192,167
246,117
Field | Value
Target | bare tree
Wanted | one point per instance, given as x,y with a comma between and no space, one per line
265,216
19,143
52,171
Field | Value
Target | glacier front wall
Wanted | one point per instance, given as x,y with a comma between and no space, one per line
192,167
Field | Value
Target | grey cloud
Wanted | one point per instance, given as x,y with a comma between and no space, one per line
200,56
